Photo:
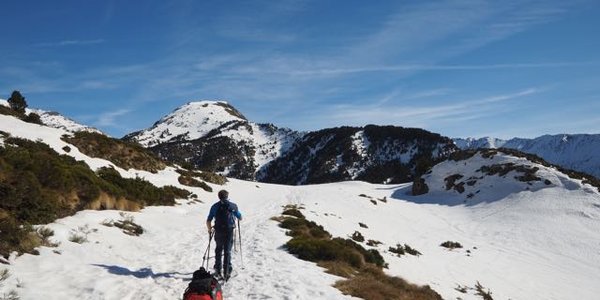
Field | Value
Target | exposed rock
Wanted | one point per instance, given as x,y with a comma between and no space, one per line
419,187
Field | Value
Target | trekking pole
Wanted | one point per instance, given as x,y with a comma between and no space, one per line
235,246
240,238
206,257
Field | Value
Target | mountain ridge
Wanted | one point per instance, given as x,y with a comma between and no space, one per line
214,136
573,151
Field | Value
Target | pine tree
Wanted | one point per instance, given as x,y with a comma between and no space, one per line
17,102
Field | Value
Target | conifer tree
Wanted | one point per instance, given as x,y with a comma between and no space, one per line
17,102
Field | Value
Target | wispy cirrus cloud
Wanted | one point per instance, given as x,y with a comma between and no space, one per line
71,43
109,119
426,116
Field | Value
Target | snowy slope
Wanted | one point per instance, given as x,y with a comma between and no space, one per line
536,243
56,120
573,151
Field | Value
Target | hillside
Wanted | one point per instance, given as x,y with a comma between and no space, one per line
43,177
381,154
56,120
514,247
572,151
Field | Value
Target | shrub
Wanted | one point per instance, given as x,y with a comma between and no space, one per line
38,185
33,118
362,225
373,243
402,250
126,155
16,237
204,175
357,236
399,250
191,181
411,250
303,227
451,245
293,212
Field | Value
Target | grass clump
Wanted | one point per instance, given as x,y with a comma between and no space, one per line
80,235
4,274
346,258
128,225
373,283
480,291
44,233
12,295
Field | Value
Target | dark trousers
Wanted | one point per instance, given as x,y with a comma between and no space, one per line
224,240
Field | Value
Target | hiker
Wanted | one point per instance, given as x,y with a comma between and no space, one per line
224,212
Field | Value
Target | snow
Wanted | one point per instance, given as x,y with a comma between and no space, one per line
541,243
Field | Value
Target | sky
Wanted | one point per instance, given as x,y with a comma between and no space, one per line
463,68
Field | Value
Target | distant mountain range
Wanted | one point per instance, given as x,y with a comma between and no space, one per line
573,151
214,136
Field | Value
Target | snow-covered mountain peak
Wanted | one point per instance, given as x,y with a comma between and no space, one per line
189,122
489,175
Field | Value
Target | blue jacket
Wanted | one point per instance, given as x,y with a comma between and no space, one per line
232,208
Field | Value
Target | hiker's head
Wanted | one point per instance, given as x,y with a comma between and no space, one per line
223,195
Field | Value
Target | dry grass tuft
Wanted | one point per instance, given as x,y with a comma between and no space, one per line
372,284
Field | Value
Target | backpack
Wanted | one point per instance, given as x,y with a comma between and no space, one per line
223,215
203,287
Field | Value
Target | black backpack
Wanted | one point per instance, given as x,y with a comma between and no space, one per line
203,286
223,215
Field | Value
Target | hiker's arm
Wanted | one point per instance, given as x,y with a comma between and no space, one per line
211,215
208,226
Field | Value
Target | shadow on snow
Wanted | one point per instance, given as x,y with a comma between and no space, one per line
143,272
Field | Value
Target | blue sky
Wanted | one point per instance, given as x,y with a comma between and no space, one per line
461,68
